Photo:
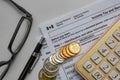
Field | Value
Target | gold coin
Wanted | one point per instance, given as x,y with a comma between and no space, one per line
65,52
61,53
74,47
69,53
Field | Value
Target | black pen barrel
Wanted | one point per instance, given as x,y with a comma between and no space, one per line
26,68
32,60
37,48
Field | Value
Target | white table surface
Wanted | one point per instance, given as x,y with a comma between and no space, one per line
42,10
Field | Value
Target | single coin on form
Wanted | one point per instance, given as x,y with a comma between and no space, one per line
74,47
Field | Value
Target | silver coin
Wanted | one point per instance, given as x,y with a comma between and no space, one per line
54,59
51,60
59,56
50,67
49,74
58,59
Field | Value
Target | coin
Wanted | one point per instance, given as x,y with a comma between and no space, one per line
61,53
50,67
74,47
69,53
57,60
51,60
54,59
43,75
59,56
65,52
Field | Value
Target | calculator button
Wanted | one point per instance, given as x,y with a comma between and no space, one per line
118,51
118,67
105,67
105,79
88,66
114,75
98,75
111,43
116,34
113,59
103,50
96,58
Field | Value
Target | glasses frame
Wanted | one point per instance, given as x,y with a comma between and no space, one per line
27,16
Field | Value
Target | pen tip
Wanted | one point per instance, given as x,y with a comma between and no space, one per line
42,39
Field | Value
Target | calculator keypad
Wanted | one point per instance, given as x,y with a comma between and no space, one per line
102,61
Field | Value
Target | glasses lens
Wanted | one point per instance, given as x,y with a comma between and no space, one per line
3,71
21,33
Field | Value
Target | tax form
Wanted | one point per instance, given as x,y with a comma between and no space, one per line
83,25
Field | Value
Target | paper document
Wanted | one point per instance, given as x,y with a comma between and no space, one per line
83,25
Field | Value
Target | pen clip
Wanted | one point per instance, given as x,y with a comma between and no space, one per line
36,60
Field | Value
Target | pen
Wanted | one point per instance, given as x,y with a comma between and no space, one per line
32,60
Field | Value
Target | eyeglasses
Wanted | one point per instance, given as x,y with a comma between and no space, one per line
18,39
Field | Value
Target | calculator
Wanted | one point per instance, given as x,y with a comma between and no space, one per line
102,60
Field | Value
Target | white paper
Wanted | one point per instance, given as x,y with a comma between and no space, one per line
83,25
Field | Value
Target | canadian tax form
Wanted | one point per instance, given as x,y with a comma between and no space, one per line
83,25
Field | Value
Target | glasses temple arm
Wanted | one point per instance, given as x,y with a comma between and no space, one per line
21,8
3,63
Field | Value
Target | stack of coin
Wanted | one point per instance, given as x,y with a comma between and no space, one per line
69,50
65,52
51,65
56,59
